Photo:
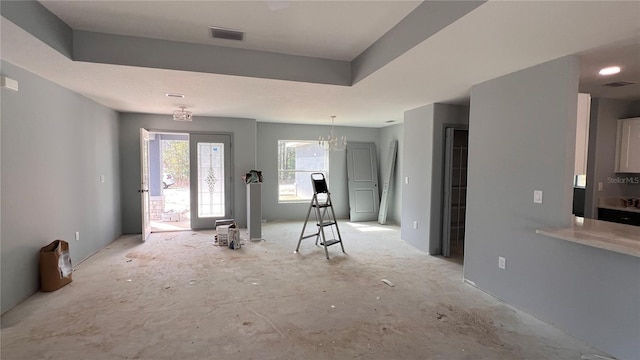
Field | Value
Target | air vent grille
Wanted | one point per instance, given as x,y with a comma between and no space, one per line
226,34
618,84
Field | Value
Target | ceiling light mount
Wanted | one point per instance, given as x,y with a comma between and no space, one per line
174,95
610,70
332,143
182,114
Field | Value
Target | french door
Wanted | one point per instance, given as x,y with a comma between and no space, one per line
144,183
211,185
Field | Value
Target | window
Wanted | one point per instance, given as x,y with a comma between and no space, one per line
297,159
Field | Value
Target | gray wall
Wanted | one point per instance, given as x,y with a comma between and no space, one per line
423,163
522,137
244,158
601,159
165,54
417,163
55,146
37,20
268,136
393,132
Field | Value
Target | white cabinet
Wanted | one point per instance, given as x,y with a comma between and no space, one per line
628,142
582,134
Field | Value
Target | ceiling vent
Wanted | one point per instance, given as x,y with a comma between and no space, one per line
616,84
226,34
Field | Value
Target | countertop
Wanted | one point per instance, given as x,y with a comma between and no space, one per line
621,238
620,208
615,203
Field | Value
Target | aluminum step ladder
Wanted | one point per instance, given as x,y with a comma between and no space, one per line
325,216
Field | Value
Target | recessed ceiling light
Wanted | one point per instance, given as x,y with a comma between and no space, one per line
609,70
175,95
390,121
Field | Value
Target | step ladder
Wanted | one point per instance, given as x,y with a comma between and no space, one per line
325,216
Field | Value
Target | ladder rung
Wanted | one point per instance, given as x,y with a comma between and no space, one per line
322,205
308,236
327,224
330,242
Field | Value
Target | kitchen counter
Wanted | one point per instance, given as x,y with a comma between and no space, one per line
617,203
620,208
620,238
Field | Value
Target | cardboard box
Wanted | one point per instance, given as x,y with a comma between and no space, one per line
55,266
223,234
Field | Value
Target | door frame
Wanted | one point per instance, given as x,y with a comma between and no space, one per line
229,178
387,181
144,184
447,169
157,225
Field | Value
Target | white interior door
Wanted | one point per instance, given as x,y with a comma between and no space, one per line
362,171
144,184
211,179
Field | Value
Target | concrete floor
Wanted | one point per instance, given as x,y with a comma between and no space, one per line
177,296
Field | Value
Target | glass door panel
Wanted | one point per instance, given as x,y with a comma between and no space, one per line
144,184
211,179
211,192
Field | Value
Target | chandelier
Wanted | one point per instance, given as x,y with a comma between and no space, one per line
332,143
182,114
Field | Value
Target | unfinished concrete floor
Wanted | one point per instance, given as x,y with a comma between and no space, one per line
177,296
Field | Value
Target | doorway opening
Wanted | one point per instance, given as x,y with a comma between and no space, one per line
186,180
169,182
455,192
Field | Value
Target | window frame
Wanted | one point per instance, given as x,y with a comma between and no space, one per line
279,170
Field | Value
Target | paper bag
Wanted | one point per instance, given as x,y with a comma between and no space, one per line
55,266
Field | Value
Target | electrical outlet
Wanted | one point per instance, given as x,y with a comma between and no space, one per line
600,186
502,263
101,178
415,224
537,196
77,235
406,179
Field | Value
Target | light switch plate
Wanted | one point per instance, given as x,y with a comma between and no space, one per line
502,263
537,196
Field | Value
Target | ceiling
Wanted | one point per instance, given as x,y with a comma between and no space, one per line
335,30
495,39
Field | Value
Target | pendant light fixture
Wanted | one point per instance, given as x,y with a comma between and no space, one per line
332,143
